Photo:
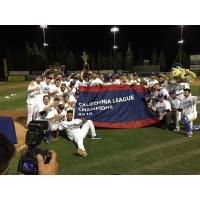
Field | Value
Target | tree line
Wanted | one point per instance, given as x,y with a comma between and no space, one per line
33,58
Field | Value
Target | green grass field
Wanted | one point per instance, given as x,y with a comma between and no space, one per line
120,151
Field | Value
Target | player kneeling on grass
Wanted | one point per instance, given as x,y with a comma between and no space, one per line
54,117
77,129
166,117
188,111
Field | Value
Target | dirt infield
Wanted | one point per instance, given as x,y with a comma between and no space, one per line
13,85
19,119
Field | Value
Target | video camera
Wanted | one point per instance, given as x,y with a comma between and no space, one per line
28,160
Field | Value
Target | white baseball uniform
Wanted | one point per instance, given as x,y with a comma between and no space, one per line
180,90
161,107
33,99
188,106
96,82
84,83
45,88
165,84
151,83
116,82
42,107
72,92
67,83
52,123
161,91
77,133
53,89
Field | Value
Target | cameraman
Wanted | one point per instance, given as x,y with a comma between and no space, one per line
7,151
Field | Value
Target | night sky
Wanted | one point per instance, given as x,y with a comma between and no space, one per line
99,38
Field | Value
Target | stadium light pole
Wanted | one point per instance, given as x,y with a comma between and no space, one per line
45,45
114,30
181,43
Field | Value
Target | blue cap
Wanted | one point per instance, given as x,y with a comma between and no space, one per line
61,106
72,83
160,95
153,73
172,91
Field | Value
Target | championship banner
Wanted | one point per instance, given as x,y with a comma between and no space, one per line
115,106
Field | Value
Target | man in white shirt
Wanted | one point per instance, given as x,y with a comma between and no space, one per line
163,81
115,80
152,81
55,90
180,89
96,81
136,78
34,98
84,82
159,90
55,117
45,107
163,109
188,111
77,129
46,85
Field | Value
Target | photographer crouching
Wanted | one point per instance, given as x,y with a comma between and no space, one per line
7,151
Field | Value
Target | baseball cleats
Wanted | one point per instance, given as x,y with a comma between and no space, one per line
96,137
189,135
176,130
82,153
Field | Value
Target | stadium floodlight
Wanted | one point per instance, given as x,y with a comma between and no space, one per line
43,26
44,42
180,41
114,30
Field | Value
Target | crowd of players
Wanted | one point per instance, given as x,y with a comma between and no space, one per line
53,98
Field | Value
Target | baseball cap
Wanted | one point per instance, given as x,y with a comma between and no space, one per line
61,106
172,91
72,83
160,95
135,74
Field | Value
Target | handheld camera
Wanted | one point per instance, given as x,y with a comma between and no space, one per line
28,160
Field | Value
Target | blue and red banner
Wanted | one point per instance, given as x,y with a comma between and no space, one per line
115,106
